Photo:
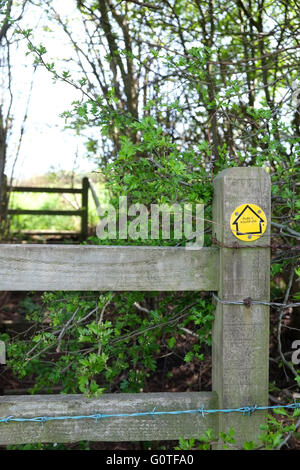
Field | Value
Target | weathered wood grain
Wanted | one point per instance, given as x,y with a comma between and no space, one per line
2,353
241,334
146,428
118,268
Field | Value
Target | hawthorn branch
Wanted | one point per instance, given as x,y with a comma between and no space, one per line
151,6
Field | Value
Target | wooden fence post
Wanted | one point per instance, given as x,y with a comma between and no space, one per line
2,353
85,209
241,333
3,198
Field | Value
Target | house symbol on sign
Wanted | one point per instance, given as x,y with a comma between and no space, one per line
248,222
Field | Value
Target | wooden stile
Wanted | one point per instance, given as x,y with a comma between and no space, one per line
82,213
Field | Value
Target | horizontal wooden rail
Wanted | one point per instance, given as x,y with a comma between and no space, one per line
46,232
117,268
44,212
29,189
141,428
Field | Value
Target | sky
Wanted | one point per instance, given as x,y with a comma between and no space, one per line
45,145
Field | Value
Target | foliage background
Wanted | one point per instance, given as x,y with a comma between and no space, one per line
172,93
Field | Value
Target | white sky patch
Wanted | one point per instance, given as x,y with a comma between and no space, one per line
46,145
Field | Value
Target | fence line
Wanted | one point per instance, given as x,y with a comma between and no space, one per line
105,268
245,410
240,336
248,302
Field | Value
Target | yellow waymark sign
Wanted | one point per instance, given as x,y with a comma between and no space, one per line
248,222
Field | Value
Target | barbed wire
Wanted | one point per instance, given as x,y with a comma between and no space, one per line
248,302
245,410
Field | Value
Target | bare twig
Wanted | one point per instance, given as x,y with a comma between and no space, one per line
151,6
136,333
290,434
189,332
62,333
142,309
285,228
101,320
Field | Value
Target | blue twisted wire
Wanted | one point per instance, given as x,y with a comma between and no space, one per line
245,410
